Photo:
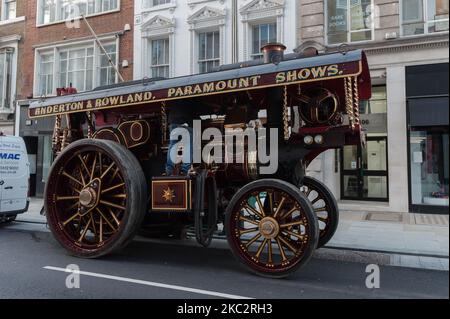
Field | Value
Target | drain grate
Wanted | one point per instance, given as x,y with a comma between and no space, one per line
385,217
431,219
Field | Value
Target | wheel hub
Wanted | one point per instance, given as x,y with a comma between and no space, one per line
269,228
88,197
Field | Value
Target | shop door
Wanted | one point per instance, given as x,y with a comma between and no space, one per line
364,174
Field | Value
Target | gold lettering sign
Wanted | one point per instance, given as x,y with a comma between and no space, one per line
214,87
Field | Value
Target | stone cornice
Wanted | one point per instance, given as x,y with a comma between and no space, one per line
399,45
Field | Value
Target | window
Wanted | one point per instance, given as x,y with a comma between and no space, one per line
6,56
58,10
349,21
154,3
262,34
9,8
160,58
105,70
209,51
83,67
46,74
76,67
424,16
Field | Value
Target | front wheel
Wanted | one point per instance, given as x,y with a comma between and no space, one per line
95,197
271,227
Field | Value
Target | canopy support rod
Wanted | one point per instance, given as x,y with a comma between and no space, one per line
102,48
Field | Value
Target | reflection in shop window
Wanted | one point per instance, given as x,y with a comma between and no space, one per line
429,158
349,21
424,16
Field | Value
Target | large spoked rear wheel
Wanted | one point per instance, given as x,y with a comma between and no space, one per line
271,227
95,197
325,207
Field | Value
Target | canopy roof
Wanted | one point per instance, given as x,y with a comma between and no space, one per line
295,71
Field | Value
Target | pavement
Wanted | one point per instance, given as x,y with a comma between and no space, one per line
391,239
34,265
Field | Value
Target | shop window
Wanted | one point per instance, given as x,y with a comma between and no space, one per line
424,16
349,21
429,159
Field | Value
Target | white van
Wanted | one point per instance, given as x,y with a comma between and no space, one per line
14,177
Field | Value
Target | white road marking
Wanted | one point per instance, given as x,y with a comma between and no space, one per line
149,283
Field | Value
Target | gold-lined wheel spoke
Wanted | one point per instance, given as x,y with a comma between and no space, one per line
94,164
281,249
261,207
270,195
106,220
113,188
114,216
321,209
118,196
104,202
269,251
322,219
287,244
254,211
101,230
246,231
291,224
64,198
299,236
261,248
83,234
242,218
251,241
283,216
71,218
72,178
279,207
107,170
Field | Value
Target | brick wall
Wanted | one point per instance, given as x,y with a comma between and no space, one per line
58,32
17,28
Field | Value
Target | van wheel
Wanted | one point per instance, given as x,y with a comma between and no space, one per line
95,197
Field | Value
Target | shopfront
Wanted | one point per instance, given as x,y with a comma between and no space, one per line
428,137
364,174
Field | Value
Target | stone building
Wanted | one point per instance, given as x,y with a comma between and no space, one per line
175,38
405,164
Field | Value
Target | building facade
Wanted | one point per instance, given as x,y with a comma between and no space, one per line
176,38
12,28
60,51
404,167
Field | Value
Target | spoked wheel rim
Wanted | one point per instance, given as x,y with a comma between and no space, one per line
324,206
271,231
89,197
320,207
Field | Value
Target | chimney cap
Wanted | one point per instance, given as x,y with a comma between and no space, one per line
273,46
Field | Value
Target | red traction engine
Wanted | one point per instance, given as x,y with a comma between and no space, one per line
110,147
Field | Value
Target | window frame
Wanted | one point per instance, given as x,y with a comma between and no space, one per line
58,11
424,21
167,65
55,51
251,42
348,22
4,14
198,61
7,86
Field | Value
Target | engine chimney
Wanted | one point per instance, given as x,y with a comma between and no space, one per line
273,52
